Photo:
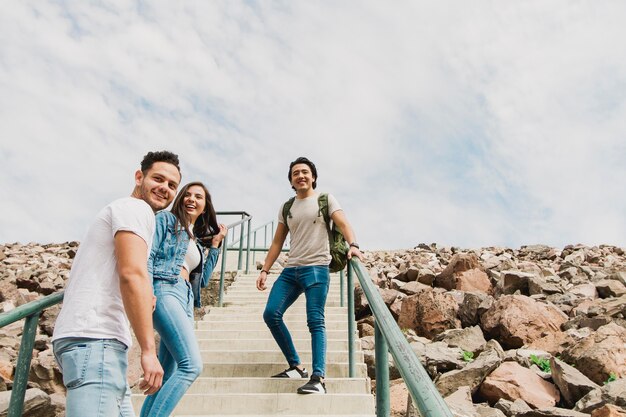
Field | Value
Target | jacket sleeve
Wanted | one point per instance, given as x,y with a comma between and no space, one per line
209,265
159,234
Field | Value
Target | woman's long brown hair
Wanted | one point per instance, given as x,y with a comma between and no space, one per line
206,224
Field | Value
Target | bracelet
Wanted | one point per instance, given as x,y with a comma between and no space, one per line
267,272
355,245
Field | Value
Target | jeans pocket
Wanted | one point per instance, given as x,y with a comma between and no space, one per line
75,361
115,345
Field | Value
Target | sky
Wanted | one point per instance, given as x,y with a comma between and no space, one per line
469,124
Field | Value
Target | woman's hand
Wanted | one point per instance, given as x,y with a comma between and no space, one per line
217,239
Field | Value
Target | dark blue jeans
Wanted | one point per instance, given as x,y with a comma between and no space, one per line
313,281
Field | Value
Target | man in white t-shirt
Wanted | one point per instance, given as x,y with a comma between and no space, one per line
108,286
306,272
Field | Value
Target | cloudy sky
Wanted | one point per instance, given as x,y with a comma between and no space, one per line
463,123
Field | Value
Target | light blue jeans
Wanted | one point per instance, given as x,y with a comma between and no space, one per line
94,373
179,353
313,281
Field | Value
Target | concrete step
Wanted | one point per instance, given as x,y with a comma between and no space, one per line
248,370
260,302
269,344
258,309
258,316
275,385
265,356
264,334
271,404
255,325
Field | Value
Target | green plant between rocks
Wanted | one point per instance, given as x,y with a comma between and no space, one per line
612,377
468,356
542,363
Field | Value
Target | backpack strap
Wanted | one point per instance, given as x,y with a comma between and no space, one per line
287,210
322,202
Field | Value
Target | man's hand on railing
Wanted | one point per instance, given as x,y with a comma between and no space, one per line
354,252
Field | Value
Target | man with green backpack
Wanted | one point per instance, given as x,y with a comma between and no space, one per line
316,249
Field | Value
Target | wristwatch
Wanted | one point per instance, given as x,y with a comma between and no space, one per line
355,245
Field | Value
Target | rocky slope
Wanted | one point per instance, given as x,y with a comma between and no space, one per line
531,332
537,331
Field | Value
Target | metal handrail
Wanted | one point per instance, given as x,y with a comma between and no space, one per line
31,312
246,218
389,338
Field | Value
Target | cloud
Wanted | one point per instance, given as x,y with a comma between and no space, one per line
462,124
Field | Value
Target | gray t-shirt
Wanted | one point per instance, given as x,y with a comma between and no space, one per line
308,240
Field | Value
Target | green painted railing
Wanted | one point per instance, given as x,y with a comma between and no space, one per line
389,338
245,219
31,312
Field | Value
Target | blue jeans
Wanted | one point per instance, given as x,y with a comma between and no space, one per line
179,353
313,281
94,373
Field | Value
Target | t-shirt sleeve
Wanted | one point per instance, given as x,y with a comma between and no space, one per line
333,205
133,216
280,214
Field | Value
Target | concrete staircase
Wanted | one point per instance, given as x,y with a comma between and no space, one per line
240,354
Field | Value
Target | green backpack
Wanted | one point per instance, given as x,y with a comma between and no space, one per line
336,242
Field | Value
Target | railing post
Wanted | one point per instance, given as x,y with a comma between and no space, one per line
254,252
223,269
341,285
240,259
16,405
248,248
382,373
351,326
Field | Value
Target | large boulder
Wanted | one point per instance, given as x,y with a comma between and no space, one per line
570,381
612,393
429,313
36,404
470,339
473,374
608,410
515,320
473,306
552,412
601,354
464,273
512,381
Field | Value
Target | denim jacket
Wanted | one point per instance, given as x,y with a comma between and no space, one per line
168,253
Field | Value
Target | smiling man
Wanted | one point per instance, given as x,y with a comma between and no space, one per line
306,272
108,287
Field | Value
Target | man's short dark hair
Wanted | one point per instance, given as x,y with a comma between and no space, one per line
160,156
303,160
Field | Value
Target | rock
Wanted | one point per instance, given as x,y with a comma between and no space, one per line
612,307
515,320
512,381
470,339
429,313
414,288
473,374
472,307
36,403
460,403
512,281
389,296
608,410
512,408
572,384
601,354
613,393
610,288
465,274
585,291
486,411
58,402
552,412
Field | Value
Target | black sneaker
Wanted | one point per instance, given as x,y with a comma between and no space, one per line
293,372
314,386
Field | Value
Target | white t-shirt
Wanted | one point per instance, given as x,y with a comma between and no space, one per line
308,242
92,305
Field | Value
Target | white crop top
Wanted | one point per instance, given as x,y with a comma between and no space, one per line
192,257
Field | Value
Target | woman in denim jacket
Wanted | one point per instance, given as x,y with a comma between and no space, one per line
180,265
